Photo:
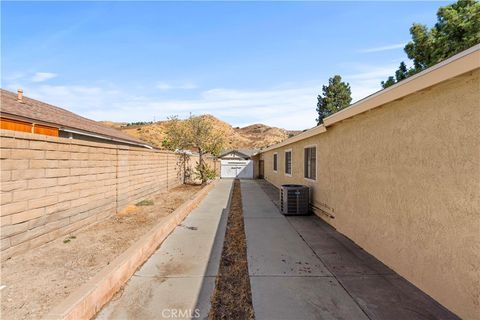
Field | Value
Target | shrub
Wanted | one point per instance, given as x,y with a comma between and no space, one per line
204,172
144,203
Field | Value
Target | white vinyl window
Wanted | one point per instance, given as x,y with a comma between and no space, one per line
275,161
288,162
310,163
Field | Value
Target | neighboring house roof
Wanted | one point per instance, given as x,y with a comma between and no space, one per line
44,113
459,64
245,152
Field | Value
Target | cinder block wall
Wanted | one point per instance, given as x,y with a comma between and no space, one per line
52,186
403,181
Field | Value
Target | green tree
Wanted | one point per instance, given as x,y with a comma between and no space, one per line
402,72
197,133
389,82
457,29
336,96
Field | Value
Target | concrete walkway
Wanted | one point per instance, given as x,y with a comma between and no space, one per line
177,281
301,268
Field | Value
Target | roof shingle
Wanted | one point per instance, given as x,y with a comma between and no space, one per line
63,119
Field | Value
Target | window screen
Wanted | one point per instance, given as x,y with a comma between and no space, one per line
275,162
310,168
288,162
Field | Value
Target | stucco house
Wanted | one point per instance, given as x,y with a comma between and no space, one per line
398,173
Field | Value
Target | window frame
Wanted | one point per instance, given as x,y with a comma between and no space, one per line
275,162
305,164
285,162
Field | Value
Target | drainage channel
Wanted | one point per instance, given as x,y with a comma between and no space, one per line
232,298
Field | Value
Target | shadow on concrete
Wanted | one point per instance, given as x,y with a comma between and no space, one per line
178,279
213,264
378,290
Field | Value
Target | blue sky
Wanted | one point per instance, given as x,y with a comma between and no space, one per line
244,62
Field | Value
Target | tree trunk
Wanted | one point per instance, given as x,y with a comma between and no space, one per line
201,167
184,167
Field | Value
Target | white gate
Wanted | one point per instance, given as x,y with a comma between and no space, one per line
242,169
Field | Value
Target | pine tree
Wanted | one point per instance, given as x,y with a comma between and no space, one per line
457,29
336,96
402,72
390,82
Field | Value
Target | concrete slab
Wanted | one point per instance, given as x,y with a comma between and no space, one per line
288,280
309,227
186,255
273,245
376,289
202,225
274,248
318,239
161,298
344,263
370,261
262,209
341,255
271,191
302,298
204,213
254,212
177,281
392,297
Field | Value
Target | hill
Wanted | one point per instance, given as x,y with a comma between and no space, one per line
254,136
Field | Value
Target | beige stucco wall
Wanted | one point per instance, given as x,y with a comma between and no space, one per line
403,182
52,186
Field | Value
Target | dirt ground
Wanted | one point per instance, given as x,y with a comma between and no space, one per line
232,298
39,279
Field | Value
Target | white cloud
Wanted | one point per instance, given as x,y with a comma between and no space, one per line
165,86
365,79
13,77
289,107
383,48
79,99
272,107
43,76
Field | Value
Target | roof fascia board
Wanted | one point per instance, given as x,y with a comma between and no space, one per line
88,134
304,135
7,115
77,131
461,63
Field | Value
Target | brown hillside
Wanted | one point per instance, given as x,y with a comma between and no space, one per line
254,136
